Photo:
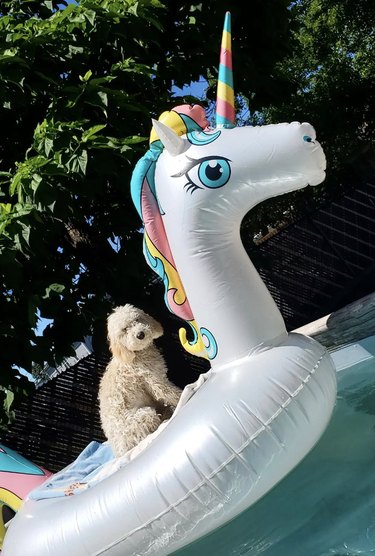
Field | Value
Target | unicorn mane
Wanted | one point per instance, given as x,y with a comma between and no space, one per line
182,119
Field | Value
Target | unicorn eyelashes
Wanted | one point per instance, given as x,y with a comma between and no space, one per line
190,186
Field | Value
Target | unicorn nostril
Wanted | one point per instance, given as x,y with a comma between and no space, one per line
308,132
140,335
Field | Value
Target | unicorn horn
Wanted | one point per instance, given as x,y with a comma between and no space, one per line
225,115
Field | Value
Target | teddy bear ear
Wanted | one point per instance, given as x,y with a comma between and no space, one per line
156,327
121,352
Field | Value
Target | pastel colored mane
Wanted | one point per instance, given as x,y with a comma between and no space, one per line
184,120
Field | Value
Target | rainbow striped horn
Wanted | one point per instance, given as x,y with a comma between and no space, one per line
225,114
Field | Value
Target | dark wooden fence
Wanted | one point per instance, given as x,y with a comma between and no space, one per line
61,418
324,261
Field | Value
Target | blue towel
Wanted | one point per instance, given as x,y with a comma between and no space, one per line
79,475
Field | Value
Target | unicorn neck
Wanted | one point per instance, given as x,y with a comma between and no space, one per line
226,293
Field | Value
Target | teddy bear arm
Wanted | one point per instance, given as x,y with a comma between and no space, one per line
164,392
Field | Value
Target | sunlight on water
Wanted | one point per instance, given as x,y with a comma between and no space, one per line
326,506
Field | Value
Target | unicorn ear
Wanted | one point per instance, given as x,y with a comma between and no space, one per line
172,142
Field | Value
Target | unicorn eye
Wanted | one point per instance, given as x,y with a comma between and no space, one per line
214,172
211,171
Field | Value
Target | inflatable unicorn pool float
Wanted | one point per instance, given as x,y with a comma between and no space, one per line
17,477
268,396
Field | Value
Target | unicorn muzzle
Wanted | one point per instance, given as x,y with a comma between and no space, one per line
317,161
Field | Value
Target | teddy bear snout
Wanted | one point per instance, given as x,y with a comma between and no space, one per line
139,338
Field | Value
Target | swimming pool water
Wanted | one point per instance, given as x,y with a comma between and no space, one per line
326,505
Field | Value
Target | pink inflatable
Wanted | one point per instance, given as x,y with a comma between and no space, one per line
18,477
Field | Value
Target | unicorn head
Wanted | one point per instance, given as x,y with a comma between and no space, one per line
192,190
268,160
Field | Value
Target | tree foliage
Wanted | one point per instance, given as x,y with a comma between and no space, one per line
333,65
79,83
331,75
73,87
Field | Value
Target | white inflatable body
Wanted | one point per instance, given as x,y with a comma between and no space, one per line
269,395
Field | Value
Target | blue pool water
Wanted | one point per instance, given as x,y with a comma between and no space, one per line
326,505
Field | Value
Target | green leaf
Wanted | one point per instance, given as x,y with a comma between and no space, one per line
100,80
35,181
53,288
5,208
89,133
26,233
15,184
10,56
103,97
90,16
78,162
99,99
82,161
22,209
73,50
48,145
135,139
87,76
8,400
